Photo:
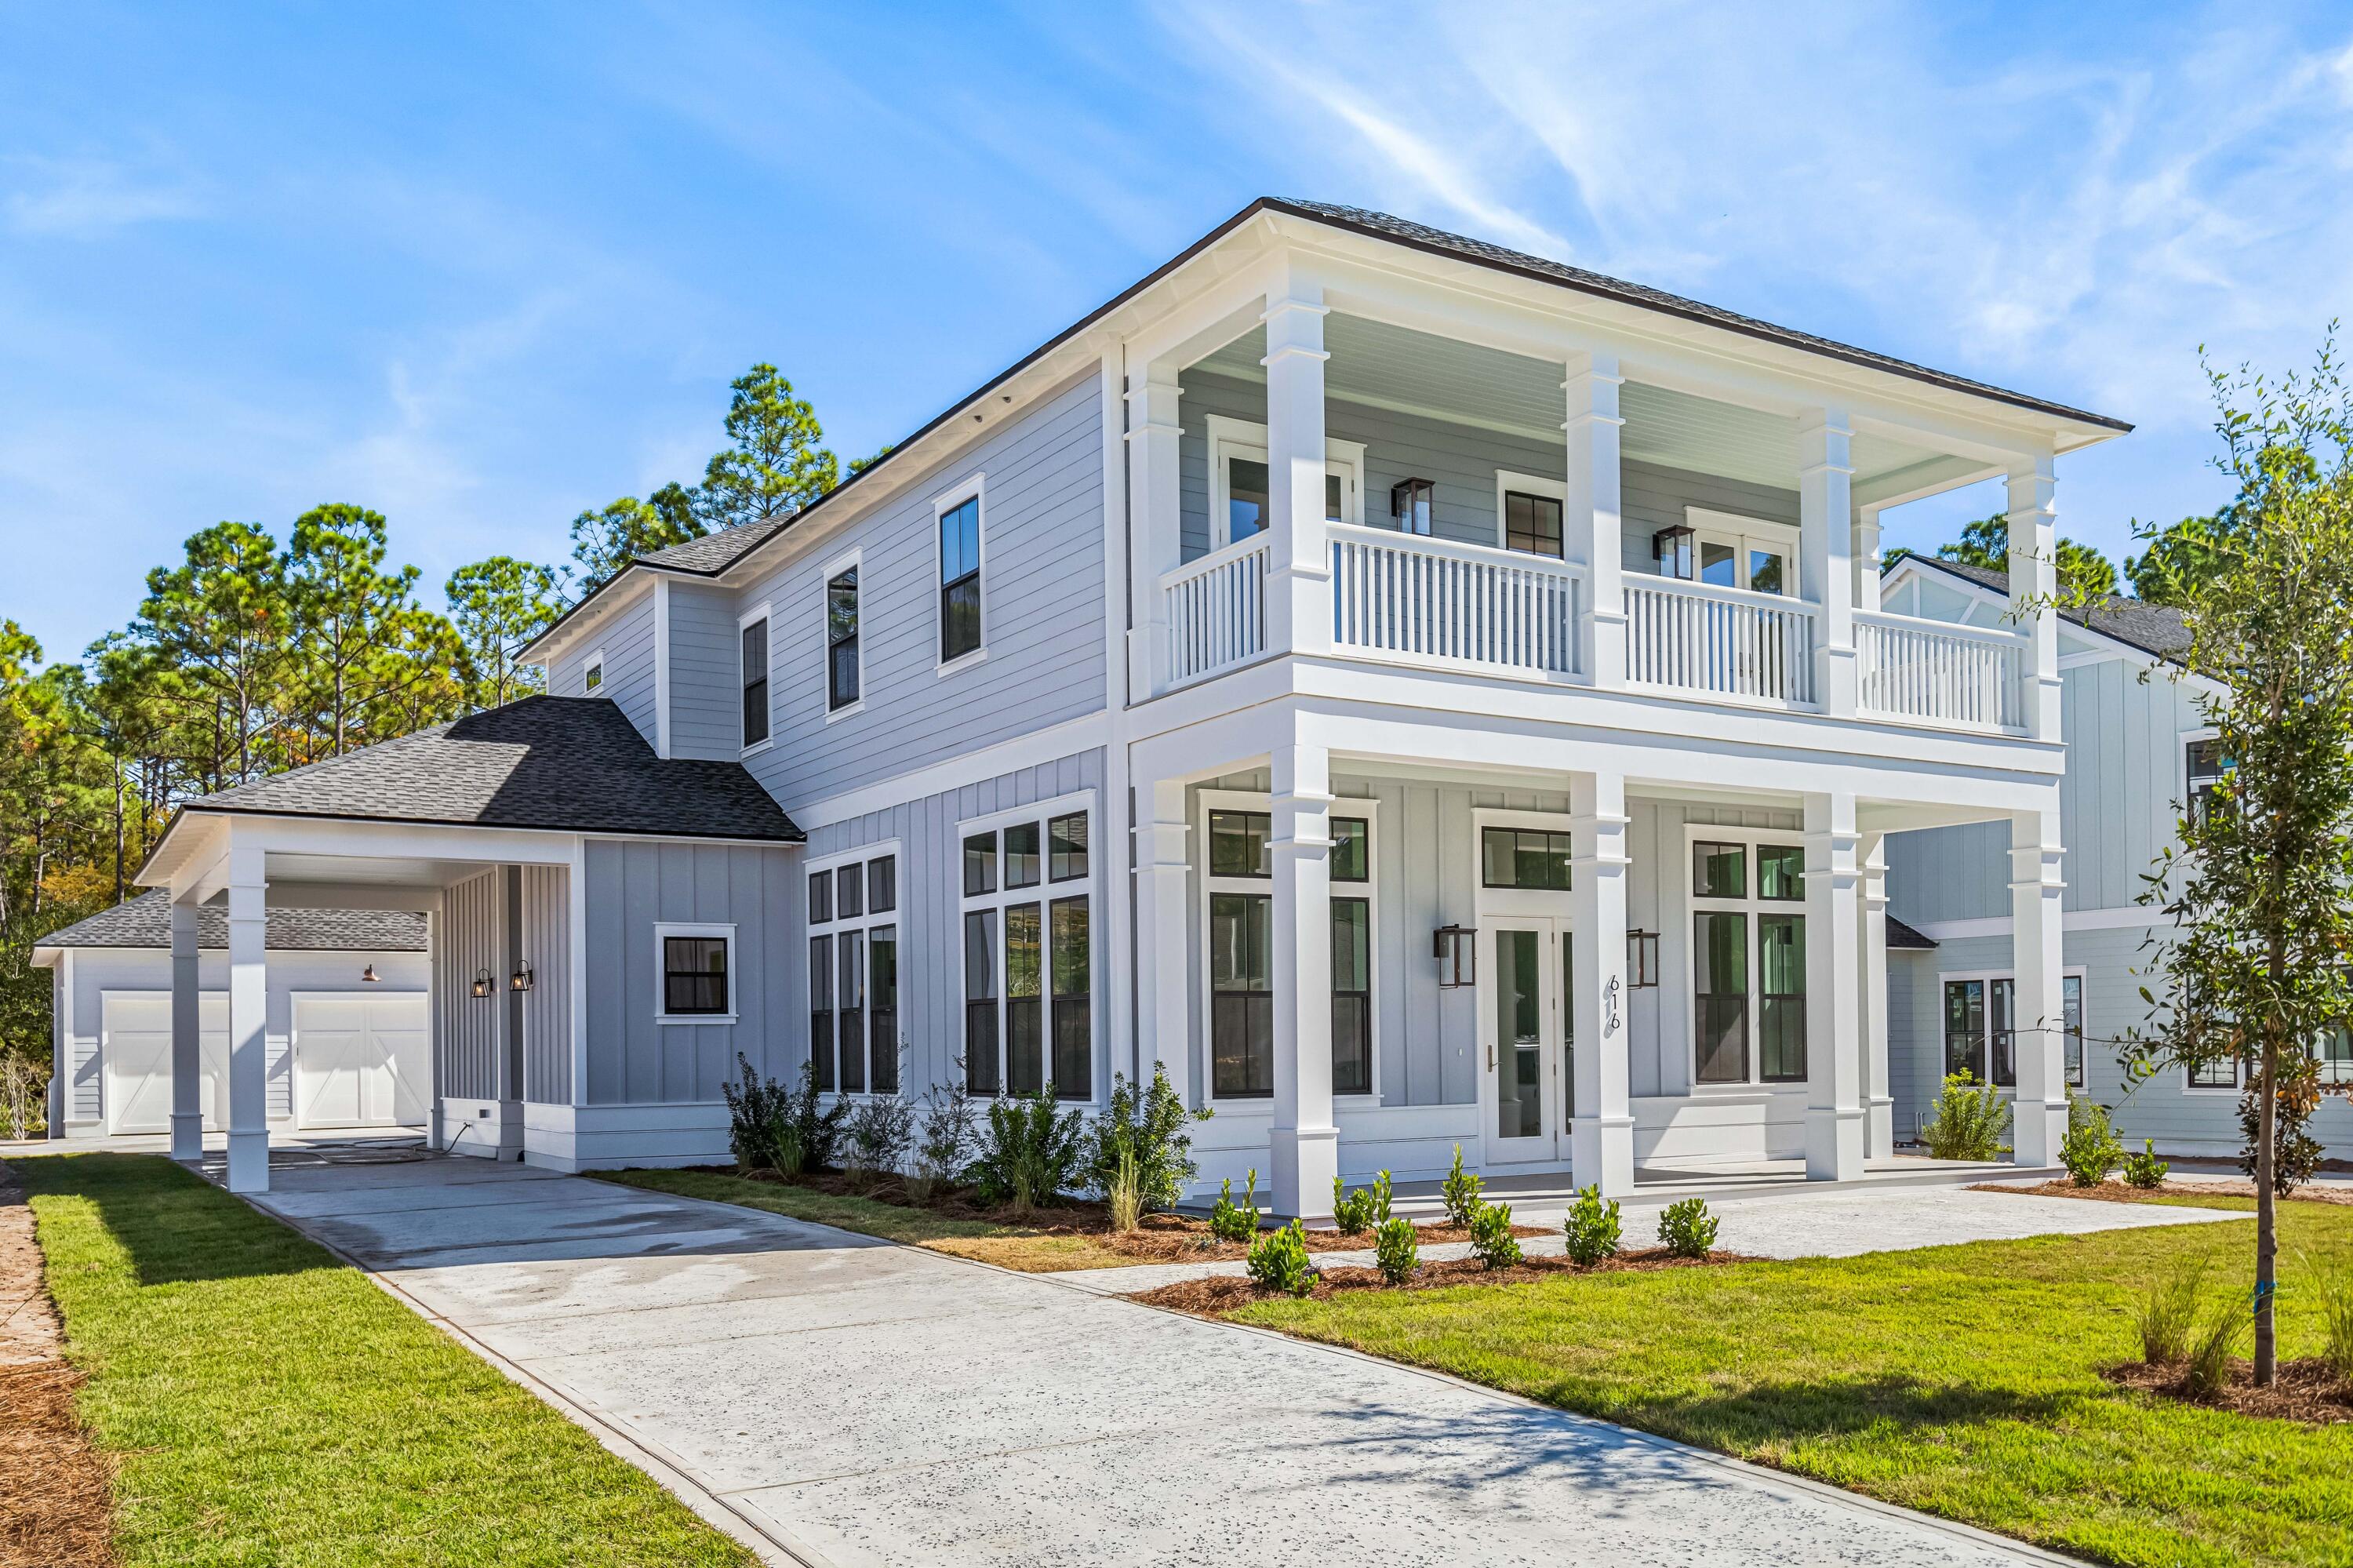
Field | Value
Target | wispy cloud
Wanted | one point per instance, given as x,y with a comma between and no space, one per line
84,198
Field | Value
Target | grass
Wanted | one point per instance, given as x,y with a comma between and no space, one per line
268,1404
1027,1248
1961,1381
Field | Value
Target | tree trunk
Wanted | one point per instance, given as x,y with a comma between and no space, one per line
2266,1219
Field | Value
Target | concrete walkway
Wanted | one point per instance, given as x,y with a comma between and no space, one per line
837,1400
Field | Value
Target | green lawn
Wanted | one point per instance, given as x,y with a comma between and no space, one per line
1008,1246
270,1405
1962,1381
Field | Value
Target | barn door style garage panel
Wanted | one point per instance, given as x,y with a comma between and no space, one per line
136,1047
360,1061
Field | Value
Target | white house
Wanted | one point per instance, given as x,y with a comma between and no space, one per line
1420,693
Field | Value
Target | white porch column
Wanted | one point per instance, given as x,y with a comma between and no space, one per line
1835,1132
1825,551
248,1021
1164,991
1592,531
1305,1144
1879,1091
1299,574
1601,1132
1153,514
2034,580
2035,895
187,1040
1866,557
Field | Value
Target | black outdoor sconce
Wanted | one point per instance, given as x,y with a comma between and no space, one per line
1642,959
1414,503
520,980
482,986
1672,546
1456,950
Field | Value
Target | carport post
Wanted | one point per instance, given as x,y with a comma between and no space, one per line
187,1052
248,1021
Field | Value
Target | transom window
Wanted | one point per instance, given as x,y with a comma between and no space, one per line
1241,949
754,671
1534,858
1028,957
842,683
1749,962
853,972
1981,1028
960,606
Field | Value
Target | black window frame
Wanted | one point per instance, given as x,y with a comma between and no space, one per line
696,979
756,720
1070,958
841,647
1352,1004
1548,851
962,587
1241,1016
1534,505
2200,782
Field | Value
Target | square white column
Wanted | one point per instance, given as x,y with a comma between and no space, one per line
2036,893
1153,509
1835,1130
1601,1132
1306,1143
248,1021
1299,567
2035,583
1592,527
188,1038
1879,1091
1866,557
1163,940
1825,551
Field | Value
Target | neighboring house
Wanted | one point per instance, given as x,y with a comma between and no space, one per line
2138,748
1418,694
347,1040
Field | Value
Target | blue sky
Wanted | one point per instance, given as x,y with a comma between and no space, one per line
479,267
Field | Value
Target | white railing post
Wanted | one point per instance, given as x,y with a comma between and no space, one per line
1299,574
1825,547
1591,526
2034,579
1154,505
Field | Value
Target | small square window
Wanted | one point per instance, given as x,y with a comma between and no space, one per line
1780,871
979,864
1719,871
882,885
593,677
1022,855
1066,847
850,890
820,897
1531,524
694,974
1238,843
1351,849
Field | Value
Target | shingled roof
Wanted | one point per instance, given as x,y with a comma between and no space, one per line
714,553
568,764
1905,938
2152,628
146,922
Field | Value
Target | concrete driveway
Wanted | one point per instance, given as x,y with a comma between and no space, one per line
837,1400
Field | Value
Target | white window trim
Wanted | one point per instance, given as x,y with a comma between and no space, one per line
760,611
1507,481
1744,533
1754,906
663,931
973,488
853,560
2184,740
866,923
1042,893
594,663
2077,972
1229,437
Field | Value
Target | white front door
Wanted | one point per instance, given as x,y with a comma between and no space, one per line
360,1061
137,1050
1523,1008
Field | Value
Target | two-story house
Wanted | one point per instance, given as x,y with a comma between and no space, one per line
1420,695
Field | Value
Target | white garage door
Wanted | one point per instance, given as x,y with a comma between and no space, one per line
360,1061
137,1052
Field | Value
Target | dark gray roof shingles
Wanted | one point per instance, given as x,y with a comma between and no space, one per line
146,922
1903,939
714,553
2152,628
570,764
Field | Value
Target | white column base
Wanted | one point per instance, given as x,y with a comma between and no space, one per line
187,1136
2037,1131
1880,1143
249,1161
1305,1162
1834,1144
1601,1151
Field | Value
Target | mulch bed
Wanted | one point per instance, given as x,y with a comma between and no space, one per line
56,1489
1160,1238
2124,1193
2305,1391
1227,1293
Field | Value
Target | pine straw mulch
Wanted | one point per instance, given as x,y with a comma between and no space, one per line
2114,1192
56,1489
2305,1391
1160,1238
1225,1293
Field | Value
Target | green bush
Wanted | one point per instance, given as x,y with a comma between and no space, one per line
1687,1229
1279,1261
1968,1122
2144,1170
943,1138
1228,1222
1460,1192
1593,1228
2165,1313
771,1128
877,1135
1491,1241
1145,1123
1031,1152
2090,1149
1396,1250
1361,1211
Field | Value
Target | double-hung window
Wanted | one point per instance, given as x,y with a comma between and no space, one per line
754,670
960,590
696,965
1748,968
853,973
1029,955
842,672
1981,1025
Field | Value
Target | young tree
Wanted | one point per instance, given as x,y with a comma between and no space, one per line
610,538
346,606
2084,574
2261,894
223,622
497,606
777,465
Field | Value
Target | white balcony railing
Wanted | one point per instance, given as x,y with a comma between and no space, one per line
1719,642
1215,609
1413,599
1939,671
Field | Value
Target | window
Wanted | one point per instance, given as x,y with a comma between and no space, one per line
1721,943
1781,872
1981,1025
592,674
1735,552
1351,851
2222,1075
1719,871
1748,972
842,668
1781,998
1532,523
2334,1052
694,975
1238,843
2204,767
1352,996
1242,996
960,580
2070,998
1028,963
1533,858
1965,1028
1242,489
755,681
854,1040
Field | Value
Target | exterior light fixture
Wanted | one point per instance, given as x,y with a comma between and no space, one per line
1455,949
1642,959
368,975
1672,546
520,980
482,986
1413,503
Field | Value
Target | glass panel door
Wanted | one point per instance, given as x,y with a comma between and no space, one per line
1521,1042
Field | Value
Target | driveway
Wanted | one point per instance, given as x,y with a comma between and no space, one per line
847,1401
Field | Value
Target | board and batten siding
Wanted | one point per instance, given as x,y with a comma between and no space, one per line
706,701
471,937
625,640
1043,573
547,1006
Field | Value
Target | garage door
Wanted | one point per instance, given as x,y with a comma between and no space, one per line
360,1061
137,1052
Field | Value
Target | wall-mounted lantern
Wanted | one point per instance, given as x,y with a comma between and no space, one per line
1414,503
1672,546
520,980
1642,959
482,986
1456,949
368,975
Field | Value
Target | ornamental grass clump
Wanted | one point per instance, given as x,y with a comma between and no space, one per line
1593,1228
1233,1223
1461,1193
1279,1261
1968,1121
1396,1250
1491,1236
1123,1194
2144,1170
2164,1314
1687,1229
2336,1322
2213,1347
1358,1212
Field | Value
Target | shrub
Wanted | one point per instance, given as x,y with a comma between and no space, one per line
1030,1152
2164,1314
1228,1222
1145,1123
877,1135
1123,1194
944,1139
1396,1250
2090,1149
1687,1229
1491,1241
759,1120
2144,1170
1593,1228
1279,1261
1968,1122
1363,1209
2216,1343
1460,1192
